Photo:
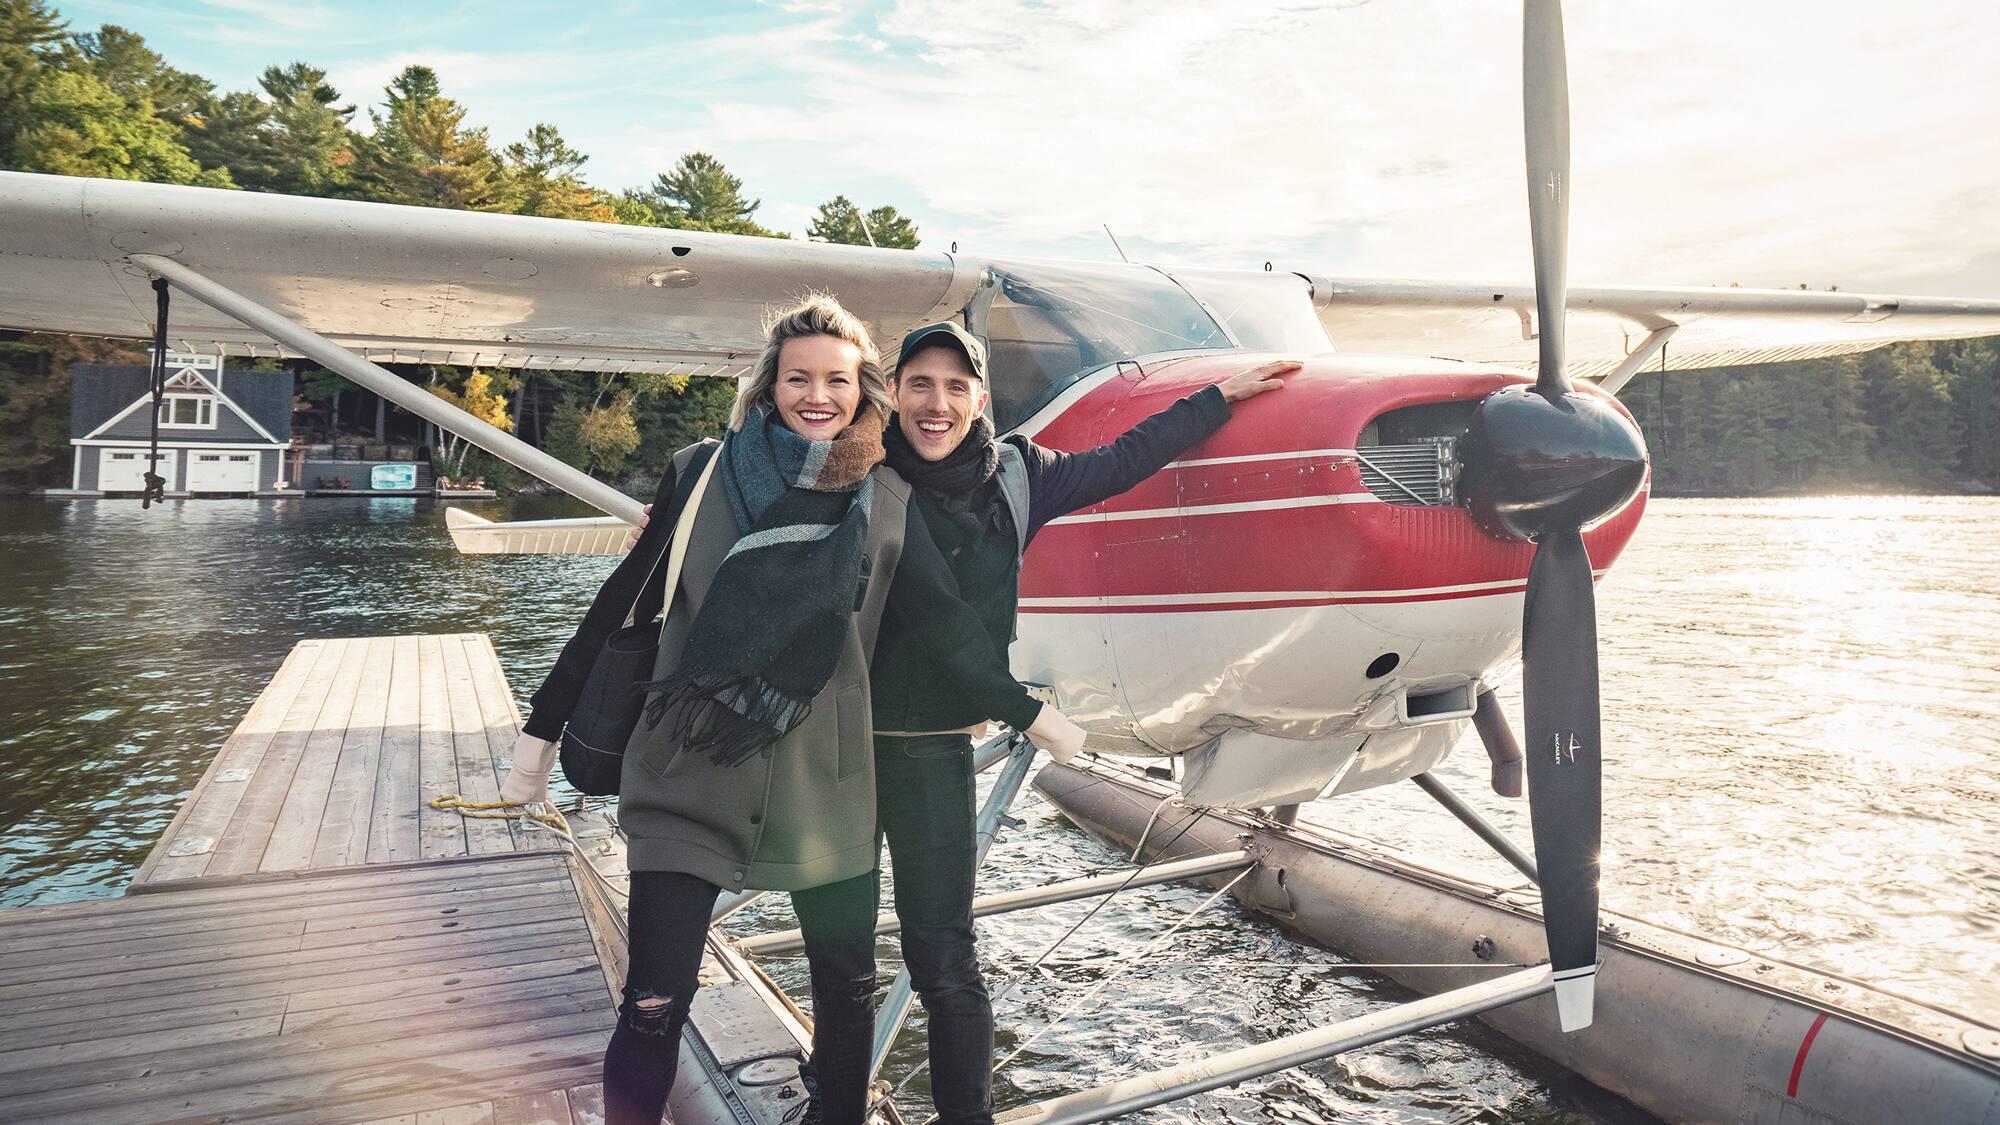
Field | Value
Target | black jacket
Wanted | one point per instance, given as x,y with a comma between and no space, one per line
921,594
908,693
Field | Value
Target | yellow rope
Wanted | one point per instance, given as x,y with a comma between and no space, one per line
515,810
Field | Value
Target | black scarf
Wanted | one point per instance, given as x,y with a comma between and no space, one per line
957,481
770,631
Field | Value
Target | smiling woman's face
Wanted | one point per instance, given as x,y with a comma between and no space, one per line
818,387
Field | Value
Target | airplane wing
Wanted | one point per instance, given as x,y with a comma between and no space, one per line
1706,327
424,285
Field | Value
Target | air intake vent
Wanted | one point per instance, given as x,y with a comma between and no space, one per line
1422,474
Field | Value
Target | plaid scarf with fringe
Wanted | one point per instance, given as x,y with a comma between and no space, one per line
770,631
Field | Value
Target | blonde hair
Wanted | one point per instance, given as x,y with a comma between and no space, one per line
816,314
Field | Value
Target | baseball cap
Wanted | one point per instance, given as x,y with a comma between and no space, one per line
947,334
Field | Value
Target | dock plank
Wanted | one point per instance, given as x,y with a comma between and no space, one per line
394,829
586,1104
13,1037
442,832
547,1108
476,778
349,815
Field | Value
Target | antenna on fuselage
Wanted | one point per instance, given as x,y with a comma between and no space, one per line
1114,243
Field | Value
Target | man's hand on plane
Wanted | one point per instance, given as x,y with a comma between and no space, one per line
632,536
1254,382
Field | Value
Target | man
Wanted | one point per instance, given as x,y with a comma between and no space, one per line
943,444
984,500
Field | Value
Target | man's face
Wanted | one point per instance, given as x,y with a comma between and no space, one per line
937,397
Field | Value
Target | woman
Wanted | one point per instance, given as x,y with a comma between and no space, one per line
754,765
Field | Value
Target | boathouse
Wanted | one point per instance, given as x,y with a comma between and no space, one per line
221,432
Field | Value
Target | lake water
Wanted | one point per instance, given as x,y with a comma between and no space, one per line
1801,703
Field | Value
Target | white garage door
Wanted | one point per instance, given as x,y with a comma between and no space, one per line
222,472
124,470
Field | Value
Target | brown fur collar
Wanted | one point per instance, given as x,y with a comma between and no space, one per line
856,450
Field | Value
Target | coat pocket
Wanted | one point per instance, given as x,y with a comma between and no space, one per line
852,728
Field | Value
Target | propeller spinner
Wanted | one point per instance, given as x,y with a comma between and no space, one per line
1541,464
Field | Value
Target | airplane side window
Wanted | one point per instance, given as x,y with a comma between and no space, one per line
1047,326
1027,353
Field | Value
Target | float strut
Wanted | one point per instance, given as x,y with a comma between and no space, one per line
1501,746
1006,902
1214,1072
1480,826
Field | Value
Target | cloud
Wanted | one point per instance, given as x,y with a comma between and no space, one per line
1787,141
1770,143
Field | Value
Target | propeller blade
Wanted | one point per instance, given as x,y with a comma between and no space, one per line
1565,768
1545,105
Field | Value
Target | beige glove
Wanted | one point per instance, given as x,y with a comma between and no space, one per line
529,779
1052,731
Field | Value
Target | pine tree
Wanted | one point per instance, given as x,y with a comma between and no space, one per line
542,179
839,220
700,194
312,147
422,153
232,131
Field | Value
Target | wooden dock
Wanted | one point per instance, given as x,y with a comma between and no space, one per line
338,760
311,941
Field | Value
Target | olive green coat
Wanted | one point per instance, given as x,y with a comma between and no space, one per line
802,814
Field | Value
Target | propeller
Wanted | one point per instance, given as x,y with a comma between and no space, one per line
1541,464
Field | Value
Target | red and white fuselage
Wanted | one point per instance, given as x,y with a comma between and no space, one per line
1255,606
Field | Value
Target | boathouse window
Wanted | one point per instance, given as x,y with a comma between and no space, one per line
188,411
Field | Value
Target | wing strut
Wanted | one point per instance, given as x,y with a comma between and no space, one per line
1629,366
417,401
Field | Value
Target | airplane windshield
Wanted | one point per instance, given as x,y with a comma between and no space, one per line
1266,312
1049,325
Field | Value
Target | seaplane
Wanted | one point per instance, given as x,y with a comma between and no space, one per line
1317,601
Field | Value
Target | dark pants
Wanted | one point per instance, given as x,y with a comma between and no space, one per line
669,915
924,795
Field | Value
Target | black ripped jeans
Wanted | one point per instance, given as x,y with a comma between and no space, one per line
924,795
669,915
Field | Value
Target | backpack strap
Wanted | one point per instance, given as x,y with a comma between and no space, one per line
1013,477
675,548
886,524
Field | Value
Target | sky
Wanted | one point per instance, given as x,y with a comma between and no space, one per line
1762,142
